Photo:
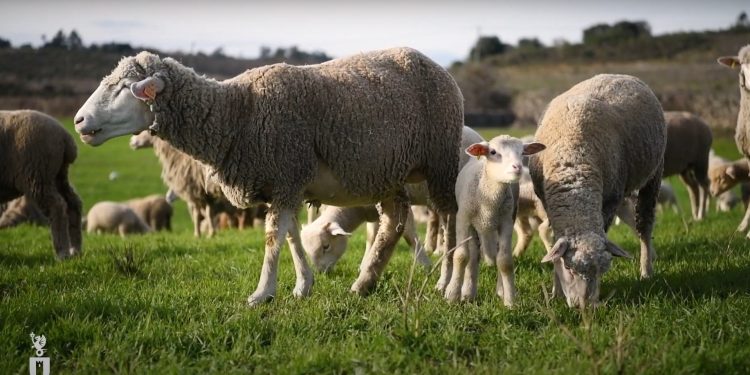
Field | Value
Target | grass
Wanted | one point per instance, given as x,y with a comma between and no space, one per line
169,303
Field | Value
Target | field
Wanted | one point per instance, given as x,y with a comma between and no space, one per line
170,303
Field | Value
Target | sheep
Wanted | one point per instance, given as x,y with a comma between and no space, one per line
113,217
187,179
21,210
688,144
530,215
487,195
605,138
728,199
36,152
347,132
725,176
154,210
326,238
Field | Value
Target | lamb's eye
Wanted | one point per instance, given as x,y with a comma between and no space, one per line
493,152
326,247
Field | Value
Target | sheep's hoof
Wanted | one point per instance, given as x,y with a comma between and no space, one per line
441,285
452,293
258,298
362,288
742,227
303,287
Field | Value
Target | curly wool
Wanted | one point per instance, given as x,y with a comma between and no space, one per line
372,118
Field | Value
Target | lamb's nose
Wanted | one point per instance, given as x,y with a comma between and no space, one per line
78,120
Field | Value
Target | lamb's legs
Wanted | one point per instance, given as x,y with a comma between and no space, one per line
506,286
471,278
692,188
54,207
305,279
524,234
411,238
278,223
196,216
745,220
210,218
448,224
393,214
74,215
644,222
461,257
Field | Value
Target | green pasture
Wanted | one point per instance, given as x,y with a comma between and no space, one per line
169,303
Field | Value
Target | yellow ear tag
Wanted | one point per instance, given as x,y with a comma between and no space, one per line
733,64
150,91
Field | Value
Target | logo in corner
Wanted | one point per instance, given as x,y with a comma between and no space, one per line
38,361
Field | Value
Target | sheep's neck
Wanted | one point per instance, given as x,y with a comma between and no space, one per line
743,123
574,203
493,192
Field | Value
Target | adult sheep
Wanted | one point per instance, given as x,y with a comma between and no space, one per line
605,139
35,152
274,134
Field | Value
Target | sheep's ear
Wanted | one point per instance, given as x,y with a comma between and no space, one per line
532,148
478,149
335,230
561,247
731,171
617,251
730,61
147,88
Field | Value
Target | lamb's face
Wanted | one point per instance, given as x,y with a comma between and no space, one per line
504,157
324,244
142,140
579,264
722,179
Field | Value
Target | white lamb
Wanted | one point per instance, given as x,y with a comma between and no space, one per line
486,209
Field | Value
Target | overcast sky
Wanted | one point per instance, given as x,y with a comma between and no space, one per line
444,30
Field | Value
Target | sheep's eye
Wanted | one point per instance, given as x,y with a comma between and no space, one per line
493,152
326,247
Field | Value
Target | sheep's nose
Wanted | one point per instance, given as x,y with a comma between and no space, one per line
78,120
516,167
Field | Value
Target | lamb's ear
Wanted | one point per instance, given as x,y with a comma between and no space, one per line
617,251
730,61
147,88
532,148
731,171
561,247
335,230
478,149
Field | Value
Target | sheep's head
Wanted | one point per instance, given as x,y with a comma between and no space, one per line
142,140
580,261
504,156
119,105
741,61
723,178
325,244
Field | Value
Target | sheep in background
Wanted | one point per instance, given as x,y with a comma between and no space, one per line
688,144
36,152
154,210
605,139
274,134
487,195
113,217
21,210
725,176
728,199
325,240
530,216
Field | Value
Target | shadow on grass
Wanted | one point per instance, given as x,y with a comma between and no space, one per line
17,259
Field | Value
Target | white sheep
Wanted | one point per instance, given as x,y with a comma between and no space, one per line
728,199
605,139
35,154
347,132
113,217
154,210
487,195
725,176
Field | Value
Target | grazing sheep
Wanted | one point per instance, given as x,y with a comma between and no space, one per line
728,199
185,177
113,217
605,139
21,210
725,176
35,152
530,216
487,195
154,210
347,132
325,239
688,144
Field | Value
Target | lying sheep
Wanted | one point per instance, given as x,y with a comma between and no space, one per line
35,152
487,195
113,217
530,216
728,199
186,178
154,210
327,237
605,139
21,210
688,144
347,132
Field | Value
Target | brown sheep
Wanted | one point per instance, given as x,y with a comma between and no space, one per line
153,210
19,211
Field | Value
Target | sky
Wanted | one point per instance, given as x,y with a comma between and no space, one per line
444,30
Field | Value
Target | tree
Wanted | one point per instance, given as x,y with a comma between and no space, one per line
74,41
58,41
487,46
530,43
622,31
4,43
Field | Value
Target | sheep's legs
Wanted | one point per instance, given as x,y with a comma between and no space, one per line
431,236
506,287
745,221
54,207
692,187
393,215
448,223
545,233
462,257
412,239
196,216
278,224
73,203
644,222
210,219
304,274
524,232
